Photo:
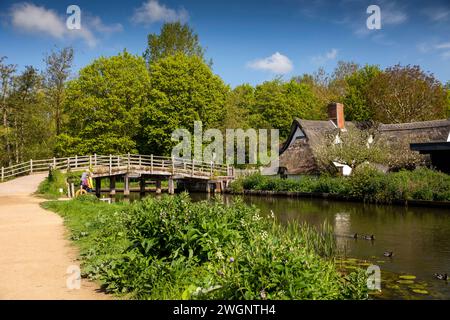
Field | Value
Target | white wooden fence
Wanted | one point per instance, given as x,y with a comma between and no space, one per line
110,162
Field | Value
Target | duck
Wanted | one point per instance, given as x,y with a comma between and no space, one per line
371,237
388,253
355,236
440,276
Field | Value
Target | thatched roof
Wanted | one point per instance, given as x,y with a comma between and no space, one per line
316,131
298,155
424,131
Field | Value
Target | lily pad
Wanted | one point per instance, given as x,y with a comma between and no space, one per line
405,281
407,277
420,291
364,264
393,286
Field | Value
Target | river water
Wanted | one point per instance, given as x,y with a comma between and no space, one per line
419,237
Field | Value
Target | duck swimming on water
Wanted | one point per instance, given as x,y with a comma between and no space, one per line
440,276
371,237
388,253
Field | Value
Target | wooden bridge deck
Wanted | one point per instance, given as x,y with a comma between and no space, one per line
131,166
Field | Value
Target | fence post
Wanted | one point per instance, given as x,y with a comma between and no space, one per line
211,168
31,166
95,159
3,173
192,174
151,163
128,159
173,164
54,163
140,160
68,163
76,161
90,161
110,163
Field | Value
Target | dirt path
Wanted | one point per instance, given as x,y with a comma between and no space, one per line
34,251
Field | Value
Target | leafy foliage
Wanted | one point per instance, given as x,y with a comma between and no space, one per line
183,90
366,184
104,105
406,94
171,248
173,38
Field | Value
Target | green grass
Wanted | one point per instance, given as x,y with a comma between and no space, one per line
49,188
172,248
366,184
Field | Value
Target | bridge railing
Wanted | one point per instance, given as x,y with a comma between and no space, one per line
174,165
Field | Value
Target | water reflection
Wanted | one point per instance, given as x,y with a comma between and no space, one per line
419,237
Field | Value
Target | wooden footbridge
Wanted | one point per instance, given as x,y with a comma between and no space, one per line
191,175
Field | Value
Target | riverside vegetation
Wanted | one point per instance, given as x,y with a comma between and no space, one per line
365,184
173,248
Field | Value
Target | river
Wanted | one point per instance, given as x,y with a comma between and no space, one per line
419,237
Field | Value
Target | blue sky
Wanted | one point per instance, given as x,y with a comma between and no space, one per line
249,41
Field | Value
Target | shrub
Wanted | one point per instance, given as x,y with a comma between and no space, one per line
171,248
366,184
51,185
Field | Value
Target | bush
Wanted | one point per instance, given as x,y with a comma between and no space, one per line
171,248
51,185
366,184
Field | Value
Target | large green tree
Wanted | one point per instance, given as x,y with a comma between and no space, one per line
183,90
277,103
238,108
6,78
447,86
58,65
173,38
406,94
104,105
355,100
29,117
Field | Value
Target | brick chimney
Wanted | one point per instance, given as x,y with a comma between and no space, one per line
336,114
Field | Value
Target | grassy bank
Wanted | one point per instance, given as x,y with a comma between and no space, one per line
366,184
171,248
50,188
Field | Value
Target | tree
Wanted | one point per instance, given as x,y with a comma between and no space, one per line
6,78
104,105
173,38
352,148
29,117
447,86
338,84
183,90
238,107
58,70
406,94
277,103
356,102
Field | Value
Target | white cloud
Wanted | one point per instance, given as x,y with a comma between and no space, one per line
445,55
435,47
437,14
97,24
152,11
31,18
393,17
444,45
322,59
276,63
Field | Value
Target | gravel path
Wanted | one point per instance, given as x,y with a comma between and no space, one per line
34,252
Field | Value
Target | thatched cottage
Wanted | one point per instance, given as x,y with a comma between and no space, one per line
297,155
